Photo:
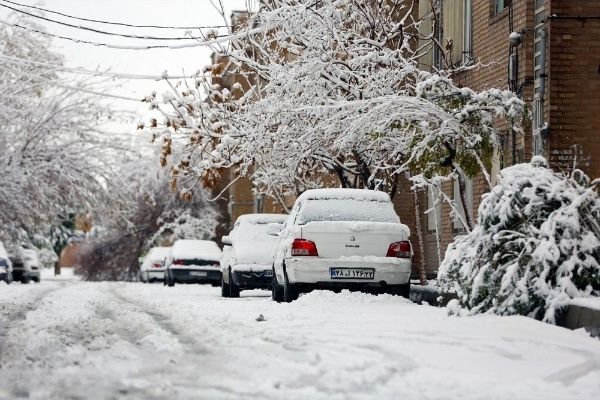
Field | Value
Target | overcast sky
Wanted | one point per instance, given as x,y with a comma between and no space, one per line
137,12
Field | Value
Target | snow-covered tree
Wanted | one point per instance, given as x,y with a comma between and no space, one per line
145,214
54,152
536,245
331,90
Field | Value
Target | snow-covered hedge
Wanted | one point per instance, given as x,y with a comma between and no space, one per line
535,246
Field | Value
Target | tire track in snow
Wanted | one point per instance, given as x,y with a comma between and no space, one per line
189,343
14,313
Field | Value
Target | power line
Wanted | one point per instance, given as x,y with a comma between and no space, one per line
207,42
74,88
115,23
22,61
89,29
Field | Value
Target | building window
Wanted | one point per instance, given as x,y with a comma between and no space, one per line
454,33
434,207
458,225
501,5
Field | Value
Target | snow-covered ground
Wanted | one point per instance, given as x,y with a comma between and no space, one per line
77,340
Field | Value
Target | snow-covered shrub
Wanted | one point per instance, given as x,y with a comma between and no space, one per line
535,246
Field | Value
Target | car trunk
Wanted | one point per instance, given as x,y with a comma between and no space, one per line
347,239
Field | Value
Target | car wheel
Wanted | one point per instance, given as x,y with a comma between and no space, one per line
224,287
234,290
290,293
399,290
25,280
276,289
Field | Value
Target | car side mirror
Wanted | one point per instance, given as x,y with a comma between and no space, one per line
226,240
274,229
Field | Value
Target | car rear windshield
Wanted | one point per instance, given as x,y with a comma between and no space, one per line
347,210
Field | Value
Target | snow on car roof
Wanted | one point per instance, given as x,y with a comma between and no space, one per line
30,254
158,253
354,194
262,218
191,249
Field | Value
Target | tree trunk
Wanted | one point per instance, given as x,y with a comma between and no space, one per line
462,188
421,266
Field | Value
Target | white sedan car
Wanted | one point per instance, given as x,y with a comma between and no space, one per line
341,239
153,267
193,261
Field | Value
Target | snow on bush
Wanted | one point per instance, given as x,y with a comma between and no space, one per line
534,248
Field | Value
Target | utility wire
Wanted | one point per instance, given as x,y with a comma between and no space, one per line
22,61
89,29
115,23
206,42
72,88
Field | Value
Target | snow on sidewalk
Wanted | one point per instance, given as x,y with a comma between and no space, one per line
135,341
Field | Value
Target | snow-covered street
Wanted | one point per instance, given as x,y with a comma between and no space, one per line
75,340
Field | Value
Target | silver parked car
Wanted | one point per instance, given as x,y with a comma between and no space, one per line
247,261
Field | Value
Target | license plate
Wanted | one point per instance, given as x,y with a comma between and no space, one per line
198,273
352,273
268,273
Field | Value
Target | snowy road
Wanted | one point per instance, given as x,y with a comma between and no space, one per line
71,340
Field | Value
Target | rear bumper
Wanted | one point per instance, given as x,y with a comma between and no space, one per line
155,274
34,274
253,279
181,275
316,271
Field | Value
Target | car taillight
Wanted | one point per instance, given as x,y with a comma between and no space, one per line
399,249
156,265
178,262
302,247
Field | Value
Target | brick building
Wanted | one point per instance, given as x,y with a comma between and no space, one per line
553,64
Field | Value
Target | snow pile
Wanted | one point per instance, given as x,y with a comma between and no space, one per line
345,297
535,246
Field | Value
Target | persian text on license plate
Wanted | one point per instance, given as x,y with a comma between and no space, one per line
198,273
352,273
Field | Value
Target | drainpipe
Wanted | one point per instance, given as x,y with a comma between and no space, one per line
543,125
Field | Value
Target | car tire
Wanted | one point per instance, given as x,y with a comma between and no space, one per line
25,280
224,287
399,290
234,290
290,292
276,289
